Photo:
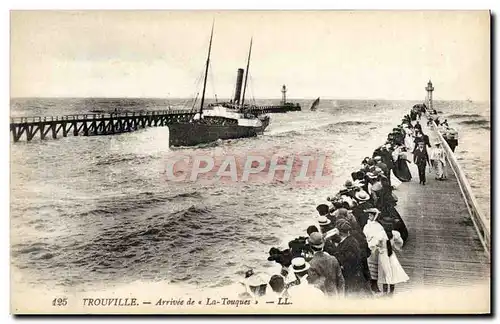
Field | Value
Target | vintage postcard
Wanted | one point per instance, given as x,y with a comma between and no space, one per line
250,162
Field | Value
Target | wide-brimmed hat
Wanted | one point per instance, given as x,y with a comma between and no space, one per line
299,264
316,240
256,280
323,220
362,195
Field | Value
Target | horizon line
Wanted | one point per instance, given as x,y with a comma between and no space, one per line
228,99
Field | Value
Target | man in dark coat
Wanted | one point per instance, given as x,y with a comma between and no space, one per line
349,256
357,233
325,271
419,136
421,159
329,246
385,169
418,126
386,156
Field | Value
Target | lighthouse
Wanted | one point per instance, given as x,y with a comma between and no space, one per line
283,95
429,90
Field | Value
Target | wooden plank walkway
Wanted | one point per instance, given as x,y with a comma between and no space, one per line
443,248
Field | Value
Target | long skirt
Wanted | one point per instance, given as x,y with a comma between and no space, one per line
409,142
373,265
395,182
401,170
398,223
439,168
390,270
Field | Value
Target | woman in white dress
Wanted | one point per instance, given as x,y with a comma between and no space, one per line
383,263
372,230
390,271
408,139
439,162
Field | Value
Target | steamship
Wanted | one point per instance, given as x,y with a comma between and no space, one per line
226,120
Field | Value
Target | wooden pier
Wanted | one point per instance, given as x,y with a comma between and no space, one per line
93,124
112,123
449,238
273,109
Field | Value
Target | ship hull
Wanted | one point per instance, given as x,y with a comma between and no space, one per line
189,134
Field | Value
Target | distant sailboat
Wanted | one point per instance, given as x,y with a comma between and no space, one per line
315,104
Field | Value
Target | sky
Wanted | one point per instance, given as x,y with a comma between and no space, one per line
328,54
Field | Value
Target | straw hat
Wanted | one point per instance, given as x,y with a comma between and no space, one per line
323,220
362,195
299,265
256,280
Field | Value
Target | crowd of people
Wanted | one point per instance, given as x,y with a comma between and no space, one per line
450,134
352,249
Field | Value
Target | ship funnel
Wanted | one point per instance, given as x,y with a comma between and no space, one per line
239,83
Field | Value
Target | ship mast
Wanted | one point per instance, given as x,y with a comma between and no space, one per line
206,71
246,73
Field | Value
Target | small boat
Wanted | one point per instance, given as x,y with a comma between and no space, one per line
315,104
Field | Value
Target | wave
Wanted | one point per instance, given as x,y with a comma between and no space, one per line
144,200
352,123
464,116
29,248
194,194
112,160
288,134
341,126
216,143
480,122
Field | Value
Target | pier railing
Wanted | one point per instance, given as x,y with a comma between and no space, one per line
35,119
480,222
94,124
